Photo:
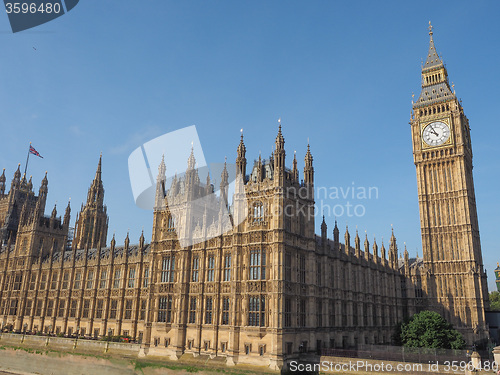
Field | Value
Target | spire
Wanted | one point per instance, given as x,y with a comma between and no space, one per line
295,171
91,226
375,249
308,167
280,141
2,182
357,245
393,249
336,244
208,188
162,168
224,184
127,242
42,192
141,240
367,247
347,238
241,147
435,85
191,159
45,181
95,195
279,157
224,175
30,184
259,168
99,169
67,214
160,183
241,161
54,212
433,60
406,256
382,250
24,183
17,178
323,230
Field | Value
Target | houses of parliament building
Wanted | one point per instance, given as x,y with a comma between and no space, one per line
267,287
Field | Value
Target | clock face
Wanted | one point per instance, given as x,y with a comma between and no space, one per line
436,133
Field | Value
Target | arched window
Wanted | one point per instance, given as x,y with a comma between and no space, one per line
258,211
170,224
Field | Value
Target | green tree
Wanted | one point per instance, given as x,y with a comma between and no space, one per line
428,329
495,301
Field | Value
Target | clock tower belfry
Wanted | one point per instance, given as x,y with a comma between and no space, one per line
455,281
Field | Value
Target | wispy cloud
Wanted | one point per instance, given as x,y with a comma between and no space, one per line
136,139
75,129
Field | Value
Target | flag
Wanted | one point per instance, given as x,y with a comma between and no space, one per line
35,152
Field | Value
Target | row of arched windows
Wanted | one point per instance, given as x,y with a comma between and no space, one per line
434,110
433,78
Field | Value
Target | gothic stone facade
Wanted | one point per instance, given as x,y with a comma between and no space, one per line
258,290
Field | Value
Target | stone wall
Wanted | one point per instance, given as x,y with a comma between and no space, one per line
67,344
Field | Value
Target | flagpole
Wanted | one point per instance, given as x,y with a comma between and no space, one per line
28,158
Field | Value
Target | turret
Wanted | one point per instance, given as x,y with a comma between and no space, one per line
30,184
382,252
241,161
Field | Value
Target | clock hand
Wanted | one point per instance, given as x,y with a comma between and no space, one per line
434,131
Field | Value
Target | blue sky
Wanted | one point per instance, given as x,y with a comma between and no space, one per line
111,75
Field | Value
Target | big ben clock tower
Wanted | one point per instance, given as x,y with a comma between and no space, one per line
454,279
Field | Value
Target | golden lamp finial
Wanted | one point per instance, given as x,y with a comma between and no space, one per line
430,29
